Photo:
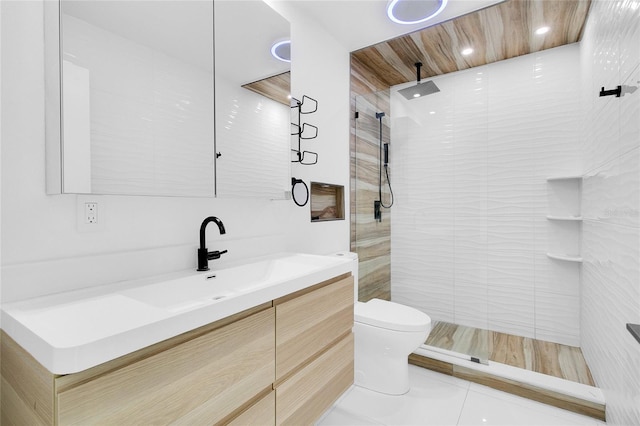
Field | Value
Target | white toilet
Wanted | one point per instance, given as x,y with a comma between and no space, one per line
385,334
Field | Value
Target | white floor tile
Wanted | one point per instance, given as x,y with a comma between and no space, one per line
487,406
338,416
438,399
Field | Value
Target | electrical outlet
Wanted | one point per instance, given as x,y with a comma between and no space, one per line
88,218
91,213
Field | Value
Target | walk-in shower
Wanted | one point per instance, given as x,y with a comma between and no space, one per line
467,239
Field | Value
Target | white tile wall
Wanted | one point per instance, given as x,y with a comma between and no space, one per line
611,231
472,200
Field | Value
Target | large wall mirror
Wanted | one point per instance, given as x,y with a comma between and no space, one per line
134,106
253,114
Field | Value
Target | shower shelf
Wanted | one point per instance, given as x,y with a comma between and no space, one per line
565,257
569,218
567,177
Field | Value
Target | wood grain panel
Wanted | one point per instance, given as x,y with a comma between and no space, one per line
553,359
262,413
27,387
307,324
277,87
499,32
68,381
200,381
305,396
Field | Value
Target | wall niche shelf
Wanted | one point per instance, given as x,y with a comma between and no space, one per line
565,257
571,218
327,202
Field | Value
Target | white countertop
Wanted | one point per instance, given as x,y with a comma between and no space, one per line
70,332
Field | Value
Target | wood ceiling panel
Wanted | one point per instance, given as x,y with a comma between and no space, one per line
277,87
499,32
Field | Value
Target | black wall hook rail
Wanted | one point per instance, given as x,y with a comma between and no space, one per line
617,91
299,129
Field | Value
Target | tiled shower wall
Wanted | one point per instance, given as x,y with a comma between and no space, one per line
610,55
469,172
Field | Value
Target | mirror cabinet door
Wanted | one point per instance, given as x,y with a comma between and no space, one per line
130,99
253,114
137,97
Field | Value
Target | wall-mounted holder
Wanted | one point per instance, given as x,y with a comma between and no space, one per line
299,192
304,131
617,91
327,202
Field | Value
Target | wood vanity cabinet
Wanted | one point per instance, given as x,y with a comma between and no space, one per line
285,361
314,350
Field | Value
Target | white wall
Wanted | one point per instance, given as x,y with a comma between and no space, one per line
44,251
611,205
469,167
321,70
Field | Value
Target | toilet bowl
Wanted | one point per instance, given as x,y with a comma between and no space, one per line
385,334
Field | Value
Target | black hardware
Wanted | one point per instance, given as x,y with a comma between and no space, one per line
204,256
299,129
634,329
418,66
386,154
476,360
383,151
357,115
300,195
617,91
218,154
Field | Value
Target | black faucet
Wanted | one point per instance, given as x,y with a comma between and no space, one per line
205,256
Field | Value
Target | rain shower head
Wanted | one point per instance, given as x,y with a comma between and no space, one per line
420,89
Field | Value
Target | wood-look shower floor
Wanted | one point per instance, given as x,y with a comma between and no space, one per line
566,362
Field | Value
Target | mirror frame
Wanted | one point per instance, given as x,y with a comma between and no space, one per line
53,99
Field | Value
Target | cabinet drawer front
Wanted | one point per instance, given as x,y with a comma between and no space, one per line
262,413
200,381
307,324
305,396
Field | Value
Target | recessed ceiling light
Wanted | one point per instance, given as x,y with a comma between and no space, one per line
467,51
542,30
416,95
282,50
414,11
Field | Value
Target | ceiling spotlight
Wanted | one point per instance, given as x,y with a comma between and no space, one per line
542,30
282,50
414,11
467,51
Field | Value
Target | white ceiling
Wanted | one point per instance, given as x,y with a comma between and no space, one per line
361,23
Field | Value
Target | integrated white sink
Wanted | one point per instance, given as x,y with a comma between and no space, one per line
73,331
209,287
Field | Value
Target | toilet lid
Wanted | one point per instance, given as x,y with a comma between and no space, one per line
390,315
